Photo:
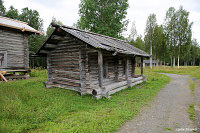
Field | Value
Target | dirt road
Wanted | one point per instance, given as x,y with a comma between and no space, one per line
167,113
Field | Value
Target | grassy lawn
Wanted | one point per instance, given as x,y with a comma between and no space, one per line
193,71
27,106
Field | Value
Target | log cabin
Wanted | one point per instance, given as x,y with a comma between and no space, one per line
14,51
90,63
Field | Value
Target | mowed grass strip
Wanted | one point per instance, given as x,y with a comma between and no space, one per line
193,71
27,106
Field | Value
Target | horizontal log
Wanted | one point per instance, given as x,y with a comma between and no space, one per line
55,78
65,83
50,46
67,69
68,65
60,38
51,85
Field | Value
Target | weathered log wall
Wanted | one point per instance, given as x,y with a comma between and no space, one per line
63,65
16,46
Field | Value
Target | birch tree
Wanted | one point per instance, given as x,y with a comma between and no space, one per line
149,34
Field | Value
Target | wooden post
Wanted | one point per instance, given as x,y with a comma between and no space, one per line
100,66
142,68
133,67
116,68
127,71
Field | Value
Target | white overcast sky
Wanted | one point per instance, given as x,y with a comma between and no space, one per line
67,11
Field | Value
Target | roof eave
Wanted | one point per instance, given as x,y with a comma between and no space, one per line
22,29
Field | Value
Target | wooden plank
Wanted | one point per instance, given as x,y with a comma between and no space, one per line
100,67
4,79
44,52
50,46
142,68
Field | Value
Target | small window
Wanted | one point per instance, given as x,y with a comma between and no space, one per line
3,59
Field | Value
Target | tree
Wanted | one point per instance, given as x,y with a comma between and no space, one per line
178,31
2,9
160,47
184,32
133,33
12,13
149,34
194,51
169,31
138,43
103,16
50,27
32,17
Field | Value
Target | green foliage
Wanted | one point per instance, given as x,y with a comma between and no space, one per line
2,9
177,29
12,13
192,86
150,31
160,45
27,106
32,17
191,112
103,16
138,43
35,42
51,28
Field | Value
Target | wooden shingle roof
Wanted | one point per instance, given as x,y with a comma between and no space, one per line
102,41
16,24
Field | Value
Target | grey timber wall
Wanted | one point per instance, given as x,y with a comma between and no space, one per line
63,65
16,45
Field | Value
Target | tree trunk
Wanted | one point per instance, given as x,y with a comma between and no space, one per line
194,62
171,62
164,62
151,56
174,62
178,61
185,62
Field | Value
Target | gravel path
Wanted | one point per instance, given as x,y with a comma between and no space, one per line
197,103
167,113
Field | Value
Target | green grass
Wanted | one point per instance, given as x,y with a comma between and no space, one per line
193,71
192,86
191,112
168,128
27,106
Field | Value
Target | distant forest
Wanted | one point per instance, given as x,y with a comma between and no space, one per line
171,43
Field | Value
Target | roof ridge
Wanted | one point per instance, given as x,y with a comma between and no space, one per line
55,24
14,20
